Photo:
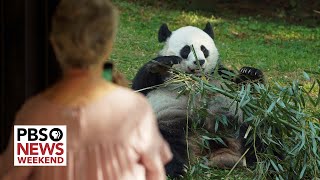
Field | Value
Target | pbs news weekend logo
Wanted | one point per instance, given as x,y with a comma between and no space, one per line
40,145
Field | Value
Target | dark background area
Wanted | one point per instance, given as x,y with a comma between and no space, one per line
27,61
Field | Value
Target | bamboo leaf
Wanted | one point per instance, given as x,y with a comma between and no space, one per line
206,138
306,76
279,87
216,126
275,167
303,139
204,166
313,130
303,103
269,132
272,105
257,88
281,177
280,167
314,146
218,139
302,171
224,120
193,169
281,103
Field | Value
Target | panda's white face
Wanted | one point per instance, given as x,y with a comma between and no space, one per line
180,44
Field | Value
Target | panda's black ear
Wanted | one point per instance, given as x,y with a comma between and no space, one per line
208,29
164,33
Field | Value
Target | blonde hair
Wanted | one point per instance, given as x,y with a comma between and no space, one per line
83,32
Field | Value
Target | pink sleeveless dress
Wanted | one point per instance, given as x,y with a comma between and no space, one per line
113,138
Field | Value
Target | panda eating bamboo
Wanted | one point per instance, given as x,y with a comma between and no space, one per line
171,112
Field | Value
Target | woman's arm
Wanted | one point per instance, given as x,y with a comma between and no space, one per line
154,150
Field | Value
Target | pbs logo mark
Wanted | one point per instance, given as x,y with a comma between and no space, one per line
56,134
40,145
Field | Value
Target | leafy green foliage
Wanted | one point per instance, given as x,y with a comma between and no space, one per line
278,116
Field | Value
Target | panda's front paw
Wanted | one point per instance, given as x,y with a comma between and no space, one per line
168,60
162,64
251,72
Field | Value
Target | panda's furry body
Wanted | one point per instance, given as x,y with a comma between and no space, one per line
171,112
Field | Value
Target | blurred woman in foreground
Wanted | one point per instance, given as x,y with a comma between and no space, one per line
112,132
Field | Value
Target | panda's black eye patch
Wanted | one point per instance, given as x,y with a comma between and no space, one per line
185,51
205,51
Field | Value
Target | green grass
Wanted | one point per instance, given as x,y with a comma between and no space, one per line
279,49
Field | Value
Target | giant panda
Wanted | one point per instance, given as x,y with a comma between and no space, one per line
171,112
